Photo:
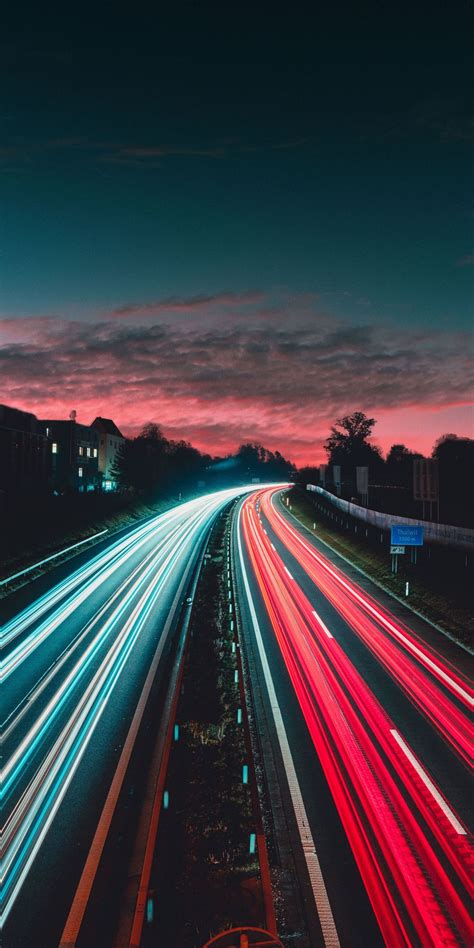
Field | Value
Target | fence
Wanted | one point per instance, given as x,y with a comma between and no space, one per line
461,537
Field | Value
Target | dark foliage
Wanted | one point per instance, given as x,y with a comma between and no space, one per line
348,445
256,461
151,464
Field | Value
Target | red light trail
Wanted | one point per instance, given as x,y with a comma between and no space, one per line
435,687
411,848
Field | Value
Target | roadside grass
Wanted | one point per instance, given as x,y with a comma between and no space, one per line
35,543
440,584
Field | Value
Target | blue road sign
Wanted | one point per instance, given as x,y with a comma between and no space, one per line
403,535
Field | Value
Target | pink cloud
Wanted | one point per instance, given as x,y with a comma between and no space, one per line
186,304
282,383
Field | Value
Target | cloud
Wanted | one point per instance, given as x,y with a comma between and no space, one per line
144,152
186,304
223,384
24,152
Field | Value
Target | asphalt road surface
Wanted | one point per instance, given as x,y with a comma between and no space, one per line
371,723
74,660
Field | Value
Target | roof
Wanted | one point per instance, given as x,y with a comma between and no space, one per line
106,426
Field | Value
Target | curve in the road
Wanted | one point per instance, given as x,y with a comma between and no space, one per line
98,615
411,847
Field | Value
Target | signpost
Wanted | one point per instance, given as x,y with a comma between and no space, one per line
362,484
401,536
426,484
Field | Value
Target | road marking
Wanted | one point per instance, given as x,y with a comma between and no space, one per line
323,907
428,783
323,625
424,657
78,908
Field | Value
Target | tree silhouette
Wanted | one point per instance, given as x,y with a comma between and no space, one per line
257,461
399,466
348,443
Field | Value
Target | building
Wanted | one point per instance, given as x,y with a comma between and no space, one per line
74,455
110,442
25,462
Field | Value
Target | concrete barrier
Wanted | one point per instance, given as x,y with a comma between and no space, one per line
461,537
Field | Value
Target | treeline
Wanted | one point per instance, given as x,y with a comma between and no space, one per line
348,446
152,464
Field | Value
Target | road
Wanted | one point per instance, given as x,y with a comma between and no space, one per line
73,666
370,723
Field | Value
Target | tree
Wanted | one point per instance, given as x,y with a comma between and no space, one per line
257,461
455,457
307,475
348,446
142,462
356,428
186,464
444,444
123,468
399,466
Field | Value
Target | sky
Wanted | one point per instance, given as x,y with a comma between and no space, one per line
239,221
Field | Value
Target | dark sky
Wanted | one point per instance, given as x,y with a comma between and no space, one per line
239,222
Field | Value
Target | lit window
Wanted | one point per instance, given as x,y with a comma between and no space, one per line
79,471
95,452
54,448
47,432
88,452
81,450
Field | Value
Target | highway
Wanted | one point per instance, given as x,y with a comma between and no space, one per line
74,661
370,728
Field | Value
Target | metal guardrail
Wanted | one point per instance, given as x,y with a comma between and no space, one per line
443,533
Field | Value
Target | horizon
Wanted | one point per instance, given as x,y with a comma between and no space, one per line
305,460
247,257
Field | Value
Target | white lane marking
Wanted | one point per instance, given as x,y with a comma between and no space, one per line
323,907
289,574
323,625
428,783
423,657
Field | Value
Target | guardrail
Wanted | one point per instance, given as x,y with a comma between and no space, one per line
443,533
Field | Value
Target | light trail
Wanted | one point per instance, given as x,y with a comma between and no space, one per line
318,886
150,576
433,685
410,846
120,589
86,580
